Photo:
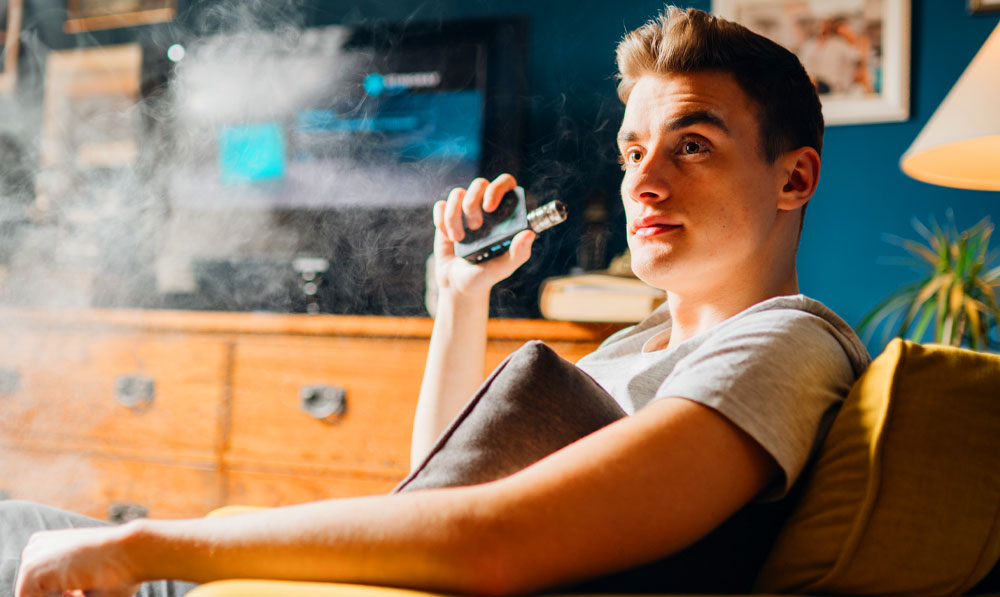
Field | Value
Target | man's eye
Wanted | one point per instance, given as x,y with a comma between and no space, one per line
630,158
692,147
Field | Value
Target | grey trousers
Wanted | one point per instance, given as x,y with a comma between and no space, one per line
19,520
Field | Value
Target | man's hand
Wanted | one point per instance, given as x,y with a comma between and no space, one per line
91,561
457,274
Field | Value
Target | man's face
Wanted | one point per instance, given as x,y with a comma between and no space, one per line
699,197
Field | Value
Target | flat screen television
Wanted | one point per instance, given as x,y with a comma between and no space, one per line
330,143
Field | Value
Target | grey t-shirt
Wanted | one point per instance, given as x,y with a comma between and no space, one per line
778,370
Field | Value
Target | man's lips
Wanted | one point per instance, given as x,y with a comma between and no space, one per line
652,225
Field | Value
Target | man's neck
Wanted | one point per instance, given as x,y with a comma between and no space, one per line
692,314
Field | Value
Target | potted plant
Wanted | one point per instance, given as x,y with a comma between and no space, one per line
957,297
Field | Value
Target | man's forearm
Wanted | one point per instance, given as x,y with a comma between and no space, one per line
455,361
396,540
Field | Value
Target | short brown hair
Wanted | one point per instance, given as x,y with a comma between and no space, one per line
788,108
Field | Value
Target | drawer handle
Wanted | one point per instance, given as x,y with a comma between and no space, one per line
10,381
135,391
325,403
119,513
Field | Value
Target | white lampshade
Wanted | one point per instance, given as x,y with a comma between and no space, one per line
960,145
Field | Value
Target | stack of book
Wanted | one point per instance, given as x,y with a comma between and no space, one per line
598,296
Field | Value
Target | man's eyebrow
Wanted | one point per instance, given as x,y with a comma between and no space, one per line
680,122
627,137
697,117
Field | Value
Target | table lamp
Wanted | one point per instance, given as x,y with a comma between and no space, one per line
960,145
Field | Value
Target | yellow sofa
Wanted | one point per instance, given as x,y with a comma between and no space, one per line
904,497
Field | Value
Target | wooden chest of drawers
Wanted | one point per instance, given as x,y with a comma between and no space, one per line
113,413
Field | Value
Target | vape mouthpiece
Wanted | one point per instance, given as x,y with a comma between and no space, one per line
546,216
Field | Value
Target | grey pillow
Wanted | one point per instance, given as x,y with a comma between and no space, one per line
534,403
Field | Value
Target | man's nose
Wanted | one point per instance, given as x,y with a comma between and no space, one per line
649,181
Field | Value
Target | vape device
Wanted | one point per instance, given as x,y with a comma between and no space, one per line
501,225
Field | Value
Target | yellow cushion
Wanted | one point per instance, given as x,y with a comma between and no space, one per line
277,588
905,495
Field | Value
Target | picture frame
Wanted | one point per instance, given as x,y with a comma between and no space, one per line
90,123
856,51
10,42
94,15
984,6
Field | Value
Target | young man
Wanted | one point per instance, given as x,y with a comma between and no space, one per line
730,384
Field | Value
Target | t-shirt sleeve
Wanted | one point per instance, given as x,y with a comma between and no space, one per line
778,376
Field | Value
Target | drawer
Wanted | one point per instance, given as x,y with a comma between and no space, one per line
380,381
113,391
256,488
97,486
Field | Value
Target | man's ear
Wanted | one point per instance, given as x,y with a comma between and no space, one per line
799,177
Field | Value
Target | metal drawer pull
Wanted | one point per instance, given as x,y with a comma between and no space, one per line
134,391
326,403
10,381
119,512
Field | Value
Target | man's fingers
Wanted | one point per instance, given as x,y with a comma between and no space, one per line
472,204
125,592
464,207
520,247
437,213
516,256
500,186
443,246
452,216
30,588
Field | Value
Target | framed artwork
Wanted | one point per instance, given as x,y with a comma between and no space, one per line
984,6
92,15
90,124
10,34
857,52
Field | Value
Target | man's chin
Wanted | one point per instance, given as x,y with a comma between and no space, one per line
653,274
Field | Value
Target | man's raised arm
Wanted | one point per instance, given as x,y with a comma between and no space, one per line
457,353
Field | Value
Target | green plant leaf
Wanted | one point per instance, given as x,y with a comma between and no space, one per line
923,231
941,297
936,235
931,287
920,251
925,319
959,293
893,304
972,311
992,305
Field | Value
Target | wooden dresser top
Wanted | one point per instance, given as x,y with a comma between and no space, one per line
223,322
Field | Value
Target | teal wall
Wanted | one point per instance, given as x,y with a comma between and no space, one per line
573,115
